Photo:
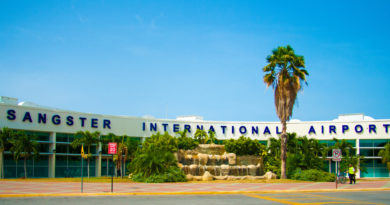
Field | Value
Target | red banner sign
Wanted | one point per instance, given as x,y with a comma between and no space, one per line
112,148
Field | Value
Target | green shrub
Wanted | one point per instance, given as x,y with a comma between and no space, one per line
245,146
173,174
163,142
313,175
186,143
155,162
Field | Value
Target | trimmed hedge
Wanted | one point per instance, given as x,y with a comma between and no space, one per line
314,175
173,174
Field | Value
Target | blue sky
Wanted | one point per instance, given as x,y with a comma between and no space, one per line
173,58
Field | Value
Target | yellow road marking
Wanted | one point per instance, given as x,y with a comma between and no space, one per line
273,199
340,199
284,192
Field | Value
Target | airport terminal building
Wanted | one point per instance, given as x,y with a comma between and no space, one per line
55,130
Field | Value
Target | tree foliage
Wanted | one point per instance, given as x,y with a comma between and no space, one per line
201,136
285,73
6,135
86,139
155,161
186,143
349,155
303,154
24,146
245,146
385,154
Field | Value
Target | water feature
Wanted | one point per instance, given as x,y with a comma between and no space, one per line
213,159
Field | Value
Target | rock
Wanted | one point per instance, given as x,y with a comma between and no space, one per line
189,177
207,176
197,178
220,177
225,169
231,178
203,158
252,170
193,169
270,175
180,165
232,158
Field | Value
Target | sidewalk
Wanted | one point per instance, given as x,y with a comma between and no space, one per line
33,189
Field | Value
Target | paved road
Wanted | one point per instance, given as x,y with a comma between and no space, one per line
366,197
30,188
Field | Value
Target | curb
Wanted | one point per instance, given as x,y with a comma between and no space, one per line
186,193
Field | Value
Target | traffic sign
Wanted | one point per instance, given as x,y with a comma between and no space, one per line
112,148
336,155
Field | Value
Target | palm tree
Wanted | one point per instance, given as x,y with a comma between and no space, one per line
24,146
87,139
201,136
6,135
130,147
211,137
118,157
285,73
385,154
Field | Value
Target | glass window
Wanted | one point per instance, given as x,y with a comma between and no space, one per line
366,143
366,152
352,142
380,143
41,136
263,142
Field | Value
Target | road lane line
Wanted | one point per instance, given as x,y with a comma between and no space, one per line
273,199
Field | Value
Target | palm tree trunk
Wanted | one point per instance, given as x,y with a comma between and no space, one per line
283,151
25,167
2,165
88,167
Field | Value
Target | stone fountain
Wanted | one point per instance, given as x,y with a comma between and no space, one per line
210,161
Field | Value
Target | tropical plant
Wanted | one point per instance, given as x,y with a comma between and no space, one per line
24,146
313,175
349,155
211,139
6,135
285,73
385,154
303,154
245,146
201,136
186,143
130,146
86,139
159,141
118,157
155,161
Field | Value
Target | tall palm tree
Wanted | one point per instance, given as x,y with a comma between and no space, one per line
24,146
87,139
285,73
385,154
6,135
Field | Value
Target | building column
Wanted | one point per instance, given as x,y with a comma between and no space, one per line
52,157
357,175
98,163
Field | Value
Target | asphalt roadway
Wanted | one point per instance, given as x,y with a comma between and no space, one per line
360,197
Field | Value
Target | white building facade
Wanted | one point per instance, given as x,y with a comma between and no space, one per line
55,129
